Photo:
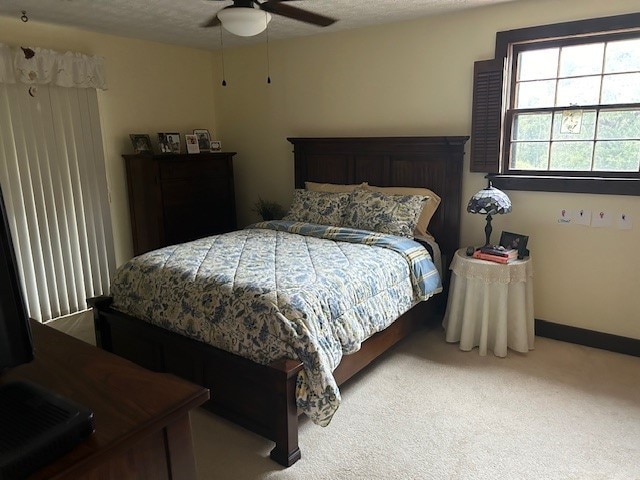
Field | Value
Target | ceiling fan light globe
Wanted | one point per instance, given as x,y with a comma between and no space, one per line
244,22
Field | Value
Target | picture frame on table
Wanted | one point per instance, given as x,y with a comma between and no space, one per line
204,139
215,145
141,143
191,140
169,142
515,241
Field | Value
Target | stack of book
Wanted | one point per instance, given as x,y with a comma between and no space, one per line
496,254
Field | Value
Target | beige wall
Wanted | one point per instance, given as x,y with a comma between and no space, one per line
151,88
412,78
415,78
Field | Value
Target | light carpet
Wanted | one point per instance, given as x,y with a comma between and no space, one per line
427,410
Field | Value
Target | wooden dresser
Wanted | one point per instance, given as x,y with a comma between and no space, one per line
142,427
175,198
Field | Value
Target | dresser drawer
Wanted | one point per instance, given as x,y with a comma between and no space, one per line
189,169
195,192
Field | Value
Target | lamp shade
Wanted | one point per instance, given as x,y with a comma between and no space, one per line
244,21
489,201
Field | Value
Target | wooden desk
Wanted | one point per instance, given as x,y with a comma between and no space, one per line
141,417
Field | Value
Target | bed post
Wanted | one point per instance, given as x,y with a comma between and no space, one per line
102,330
285,373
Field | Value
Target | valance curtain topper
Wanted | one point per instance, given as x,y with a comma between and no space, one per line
39,66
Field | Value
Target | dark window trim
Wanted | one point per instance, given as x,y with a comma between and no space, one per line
558,183
565,29
598,185
595,37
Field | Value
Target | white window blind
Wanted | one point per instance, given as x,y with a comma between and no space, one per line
53,178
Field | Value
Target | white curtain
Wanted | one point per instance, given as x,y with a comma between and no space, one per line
53,178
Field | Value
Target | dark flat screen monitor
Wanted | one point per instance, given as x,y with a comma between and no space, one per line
16,346
36,425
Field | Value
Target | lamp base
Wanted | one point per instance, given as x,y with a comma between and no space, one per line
487,231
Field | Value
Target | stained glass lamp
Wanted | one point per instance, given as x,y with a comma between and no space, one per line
489,201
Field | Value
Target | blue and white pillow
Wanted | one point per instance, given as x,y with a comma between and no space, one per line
390,214
323,208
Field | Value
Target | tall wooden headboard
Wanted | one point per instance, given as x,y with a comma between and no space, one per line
431,162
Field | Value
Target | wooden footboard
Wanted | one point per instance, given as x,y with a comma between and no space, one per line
261,398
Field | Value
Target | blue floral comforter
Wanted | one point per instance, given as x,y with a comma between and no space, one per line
281,289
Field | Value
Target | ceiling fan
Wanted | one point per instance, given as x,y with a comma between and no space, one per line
250,17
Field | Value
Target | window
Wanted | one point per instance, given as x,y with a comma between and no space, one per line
568,106
575,108
53,178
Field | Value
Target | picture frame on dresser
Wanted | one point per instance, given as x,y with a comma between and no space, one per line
169,142
204,139
141,143
191,142
215,145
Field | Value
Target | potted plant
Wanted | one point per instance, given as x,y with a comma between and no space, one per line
268,210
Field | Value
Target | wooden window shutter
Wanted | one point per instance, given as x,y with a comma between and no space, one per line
486,116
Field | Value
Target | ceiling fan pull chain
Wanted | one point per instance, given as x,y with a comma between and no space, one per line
224,82
268,59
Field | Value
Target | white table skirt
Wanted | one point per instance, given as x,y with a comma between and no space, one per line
490,305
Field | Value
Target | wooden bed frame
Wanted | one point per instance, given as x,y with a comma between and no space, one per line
262,397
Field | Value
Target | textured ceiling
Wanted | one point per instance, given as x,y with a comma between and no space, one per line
178,21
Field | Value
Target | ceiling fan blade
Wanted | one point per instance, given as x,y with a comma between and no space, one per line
212,22
279,8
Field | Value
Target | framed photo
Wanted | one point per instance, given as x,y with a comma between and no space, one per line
141,143
517,241
192,143
215,145
169,142
204,139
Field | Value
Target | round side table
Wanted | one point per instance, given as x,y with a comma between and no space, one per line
490,305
